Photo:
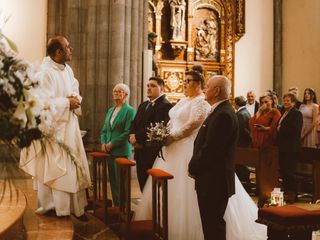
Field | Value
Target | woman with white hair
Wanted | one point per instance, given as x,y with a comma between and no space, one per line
115,133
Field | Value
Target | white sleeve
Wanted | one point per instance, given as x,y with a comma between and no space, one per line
59,106
75,85
198,113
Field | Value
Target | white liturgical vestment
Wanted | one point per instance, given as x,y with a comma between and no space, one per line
62,180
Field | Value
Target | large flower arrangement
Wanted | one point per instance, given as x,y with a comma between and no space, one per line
19,109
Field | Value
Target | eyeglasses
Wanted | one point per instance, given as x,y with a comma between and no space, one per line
117,91
186,81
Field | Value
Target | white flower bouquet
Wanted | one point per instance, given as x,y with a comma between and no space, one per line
19,110
156,134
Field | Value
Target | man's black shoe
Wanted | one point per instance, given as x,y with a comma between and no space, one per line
83,218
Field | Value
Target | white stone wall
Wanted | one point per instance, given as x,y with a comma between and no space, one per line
301,44
27,27
254,51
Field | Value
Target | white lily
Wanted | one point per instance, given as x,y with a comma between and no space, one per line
20,115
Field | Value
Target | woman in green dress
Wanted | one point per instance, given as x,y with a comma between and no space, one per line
115,132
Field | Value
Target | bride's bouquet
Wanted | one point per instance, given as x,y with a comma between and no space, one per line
156,134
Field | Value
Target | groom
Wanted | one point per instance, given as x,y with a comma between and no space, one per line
212,163
152,111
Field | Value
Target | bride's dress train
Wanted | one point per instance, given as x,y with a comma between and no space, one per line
183,212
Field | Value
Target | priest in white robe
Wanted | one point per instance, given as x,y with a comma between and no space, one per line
62,174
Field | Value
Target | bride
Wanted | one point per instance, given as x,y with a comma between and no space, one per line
183,213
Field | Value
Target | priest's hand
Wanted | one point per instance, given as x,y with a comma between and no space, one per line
74,102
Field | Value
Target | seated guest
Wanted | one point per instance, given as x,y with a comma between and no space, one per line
263,123
115,134
289,143
295,92
244,139
252,105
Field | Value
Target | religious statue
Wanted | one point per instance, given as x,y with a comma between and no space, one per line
152,39
206,40
177,17
150,21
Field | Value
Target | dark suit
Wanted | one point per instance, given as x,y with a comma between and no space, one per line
212,166
298,104
244,140
243,116
146,156
289,143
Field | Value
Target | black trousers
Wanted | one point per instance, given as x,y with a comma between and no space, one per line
287,164
144,161
212,211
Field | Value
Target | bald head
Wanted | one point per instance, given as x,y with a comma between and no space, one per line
54,44
59,49
219,88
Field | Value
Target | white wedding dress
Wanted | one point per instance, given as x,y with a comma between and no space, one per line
183,213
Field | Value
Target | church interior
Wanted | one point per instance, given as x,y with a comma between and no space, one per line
259,45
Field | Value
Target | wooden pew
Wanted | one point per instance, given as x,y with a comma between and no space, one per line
312,156
266,163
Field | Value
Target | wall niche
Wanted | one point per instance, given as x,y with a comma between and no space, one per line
191,32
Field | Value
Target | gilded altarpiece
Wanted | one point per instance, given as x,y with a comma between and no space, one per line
195,32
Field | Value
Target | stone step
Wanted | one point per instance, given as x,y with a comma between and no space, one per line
45,227
13,205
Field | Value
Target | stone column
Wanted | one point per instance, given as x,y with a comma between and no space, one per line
116,44
277,49
108,38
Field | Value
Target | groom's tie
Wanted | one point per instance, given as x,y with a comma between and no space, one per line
148,105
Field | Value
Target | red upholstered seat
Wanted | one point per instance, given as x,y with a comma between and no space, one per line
289,217
99,155
158,173
125,162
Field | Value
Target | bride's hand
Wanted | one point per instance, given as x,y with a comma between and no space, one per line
168,140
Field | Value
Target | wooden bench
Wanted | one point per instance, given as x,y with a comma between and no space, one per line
100,193
155,229
312,156
266,163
